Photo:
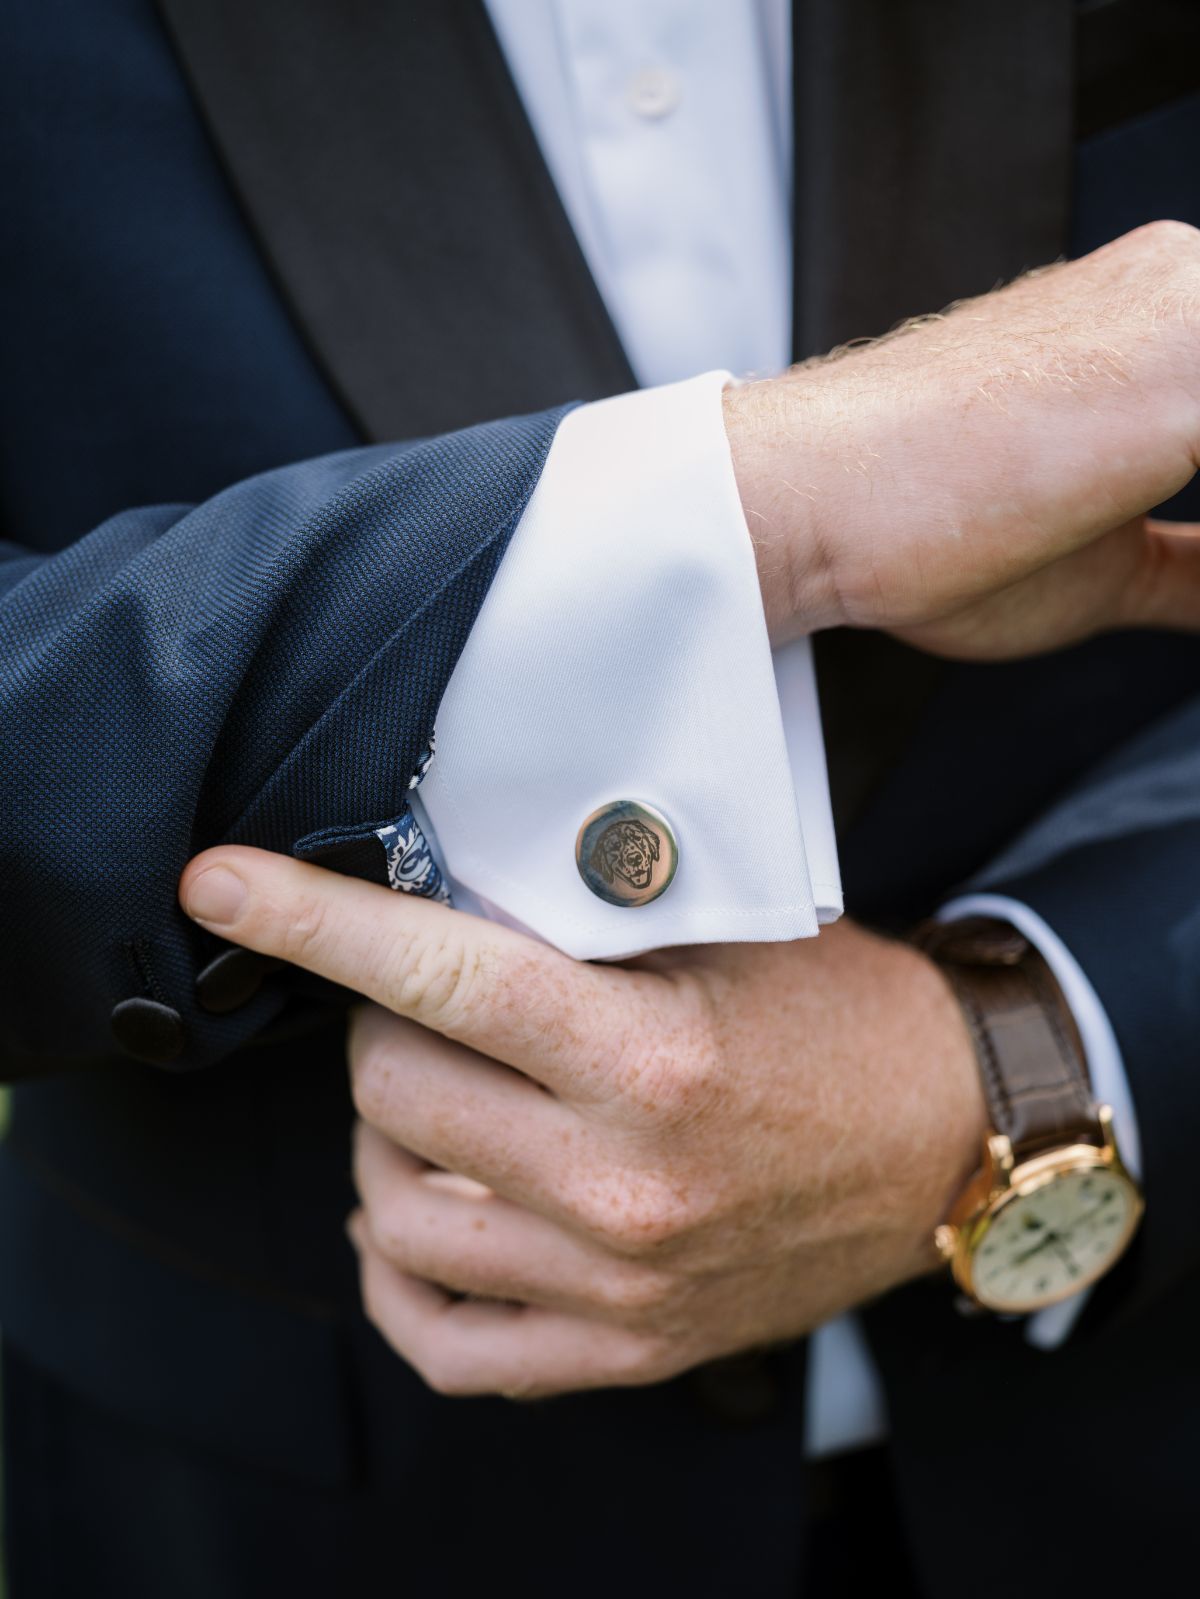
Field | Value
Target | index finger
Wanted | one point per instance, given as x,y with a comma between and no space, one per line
487,986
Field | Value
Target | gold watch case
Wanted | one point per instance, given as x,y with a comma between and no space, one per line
1003,1183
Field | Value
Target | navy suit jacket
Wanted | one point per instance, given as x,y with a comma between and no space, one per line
263,668
247,246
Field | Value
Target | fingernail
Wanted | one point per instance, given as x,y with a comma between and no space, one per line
215,897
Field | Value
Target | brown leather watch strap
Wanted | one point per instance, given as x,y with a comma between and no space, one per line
1030,1054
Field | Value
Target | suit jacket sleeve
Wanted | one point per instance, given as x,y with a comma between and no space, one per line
1115,870
262,668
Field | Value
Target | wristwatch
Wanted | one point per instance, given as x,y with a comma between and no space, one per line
1052,1207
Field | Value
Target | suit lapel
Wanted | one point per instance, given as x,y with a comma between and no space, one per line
933,155
932,159
386,165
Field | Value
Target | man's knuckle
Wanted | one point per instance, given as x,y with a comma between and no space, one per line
392,1236
446,1373
436,981
548,1029
681,1081
632,1216
641,1359
436,1259
429,1253
636,1290
371,1082
652,1221
304,932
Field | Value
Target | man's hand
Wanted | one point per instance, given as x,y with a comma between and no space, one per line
625,1171
977,482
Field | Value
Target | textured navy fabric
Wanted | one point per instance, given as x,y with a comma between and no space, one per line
255,669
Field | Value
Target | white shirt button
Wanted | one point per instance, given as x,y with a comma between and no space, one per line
653,92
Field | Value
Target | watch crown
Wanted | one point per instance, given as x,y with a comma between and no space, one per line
945,1238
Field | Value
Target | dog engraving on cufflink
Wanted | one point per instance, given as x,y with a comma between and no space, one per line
627,850
626,853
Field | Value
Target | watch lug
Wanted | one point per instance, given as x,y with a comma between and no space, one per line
1104,1116
1000,1159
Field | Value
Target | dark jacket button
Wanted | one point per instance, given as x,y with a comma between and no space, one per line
232,978
148,1031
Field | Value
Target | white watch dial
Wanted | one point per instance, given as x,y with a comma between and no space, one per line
1045,1244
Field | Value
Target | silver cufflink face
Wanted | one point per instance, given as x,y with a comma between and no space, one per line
626,853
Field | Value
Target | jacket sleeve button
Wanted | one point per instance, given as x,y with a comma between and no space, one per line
148,1030
232,979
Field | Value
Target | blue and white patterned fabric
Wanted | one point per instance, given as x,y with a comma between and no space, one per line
424,763
411,868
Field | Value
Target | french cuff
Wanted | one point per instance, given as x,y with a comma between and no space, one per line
1051,1327
621,658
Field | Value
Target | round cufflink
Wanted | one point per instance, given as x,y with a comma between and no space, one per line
626,853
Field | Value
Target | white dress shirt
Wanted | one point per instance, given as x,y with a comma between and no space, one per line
621,652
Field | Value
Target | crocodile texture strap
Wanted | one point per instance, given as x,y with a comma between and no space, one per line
1030,1054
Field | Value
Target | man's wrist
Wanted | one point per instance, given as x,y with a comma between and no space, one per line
791,552
956,1099
919,1103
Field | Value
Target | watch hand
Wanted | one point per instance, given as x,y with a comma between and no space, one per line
1054,1240
1067,1257
1087,1215
1042,1243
